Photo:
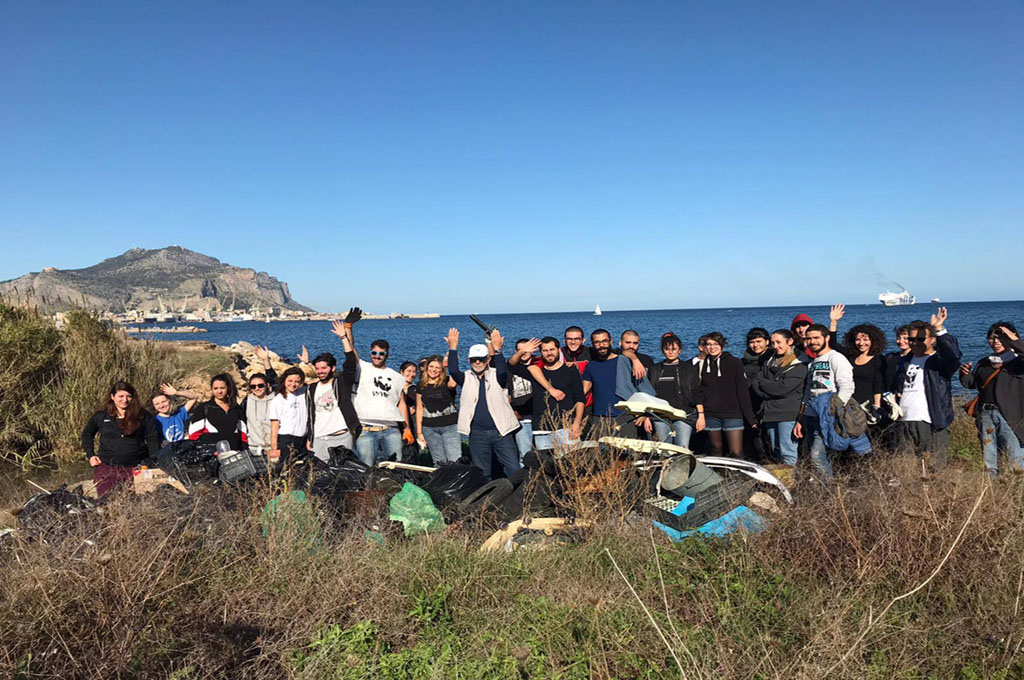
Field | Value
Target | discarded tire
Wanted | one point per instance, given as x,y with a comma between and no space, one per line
492,493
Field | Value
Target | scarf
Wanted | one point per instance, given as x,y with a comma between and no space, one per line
1002,358
785,360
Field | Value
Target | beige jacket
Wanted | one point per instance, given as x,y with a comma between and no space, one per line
497,403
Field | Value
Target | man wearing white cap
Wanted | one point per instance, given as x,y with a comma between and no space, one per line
485,415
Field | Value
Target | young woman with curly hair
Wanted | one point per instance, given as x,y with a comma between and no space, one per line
863,346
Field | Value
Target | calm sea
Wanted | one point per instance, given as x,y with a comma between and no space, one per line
416,338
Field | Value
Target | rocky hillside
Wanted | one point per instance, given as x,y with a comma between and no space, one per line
140,279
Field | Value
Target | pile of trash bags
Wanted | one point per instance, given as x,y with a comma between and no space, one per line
680,493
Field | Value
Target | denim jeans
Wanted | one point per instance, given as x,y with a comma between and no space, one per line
679,434
784,446
996,435
819,454
524,438
374,446
485,443
444,443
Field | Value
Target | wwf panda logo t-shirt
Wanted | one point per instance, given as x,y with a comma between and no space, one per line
377,395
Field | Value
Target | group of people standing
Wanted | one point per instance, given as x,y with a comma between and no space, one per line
770,403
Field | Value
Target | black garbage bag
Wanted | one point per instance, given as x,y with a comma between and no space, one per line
533,494
391,481
43,510
190,462
341,473
542,461
453,483
410,454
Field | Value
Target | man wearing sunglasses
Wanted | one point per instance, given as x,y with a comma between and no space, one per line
485,415
923,388
379,404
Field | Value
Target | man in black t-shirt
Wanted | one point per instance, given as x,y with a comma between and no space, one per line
548,412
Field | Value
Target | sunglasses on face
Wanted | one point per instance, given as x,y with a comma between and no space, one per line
917,338
475,360
257,386
378,354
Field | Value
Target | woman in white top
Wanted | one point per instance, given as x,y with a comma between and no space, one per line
288,418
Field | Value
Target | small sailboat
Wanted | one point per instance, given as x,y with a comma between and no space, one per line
597,310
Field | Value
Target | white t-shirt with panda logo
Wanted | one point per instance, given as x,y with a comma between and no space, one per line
913,400
377,395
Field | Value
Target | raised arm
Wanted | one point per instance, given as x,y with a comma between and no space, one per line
947,347
170,391
495,341
837,312
353,316
453,356
263,354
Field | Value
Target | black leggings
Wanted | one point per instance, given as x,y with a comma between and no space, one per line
291,447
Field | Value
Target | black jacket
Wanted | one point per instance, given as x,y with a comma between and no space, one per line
343,382
939,369
1008,386
726,392
117,448
209,423
781,388
688,390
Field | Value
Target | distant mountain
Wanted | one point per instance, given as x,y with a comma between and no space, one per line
141,279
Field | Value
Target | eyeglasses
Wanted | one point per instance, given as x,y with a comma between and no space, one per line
917,338
257,386
378,354
478,360
579,339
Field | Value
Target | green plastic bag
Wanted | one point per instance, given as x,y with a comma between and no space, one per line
413,507
290,518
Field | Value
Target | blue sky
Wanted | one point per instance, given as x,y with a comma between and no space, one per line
525,156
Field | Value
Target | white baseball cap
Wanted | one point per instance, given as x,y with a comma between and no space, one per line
478,351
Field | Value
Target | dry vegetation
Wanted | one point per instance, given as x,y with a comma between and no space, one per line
52,380
190,587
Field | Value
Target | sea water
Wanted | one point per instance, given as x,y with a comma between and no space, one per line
412,339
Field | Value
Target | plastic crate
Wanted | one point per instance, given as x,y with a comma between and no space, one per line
236,466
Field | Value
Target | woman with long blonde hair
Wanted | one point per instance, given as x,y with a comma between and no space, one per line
437,413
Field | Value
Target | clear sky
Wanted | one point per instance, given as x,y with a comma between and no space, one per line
525,156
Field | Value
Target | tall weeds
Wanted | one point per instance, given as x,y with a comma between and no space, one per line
52,380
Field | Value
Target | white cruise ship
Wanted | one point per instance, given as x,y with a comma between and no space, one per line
890,299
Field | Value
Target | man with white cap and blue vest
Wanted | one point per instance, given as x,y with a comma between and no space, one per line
485,415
